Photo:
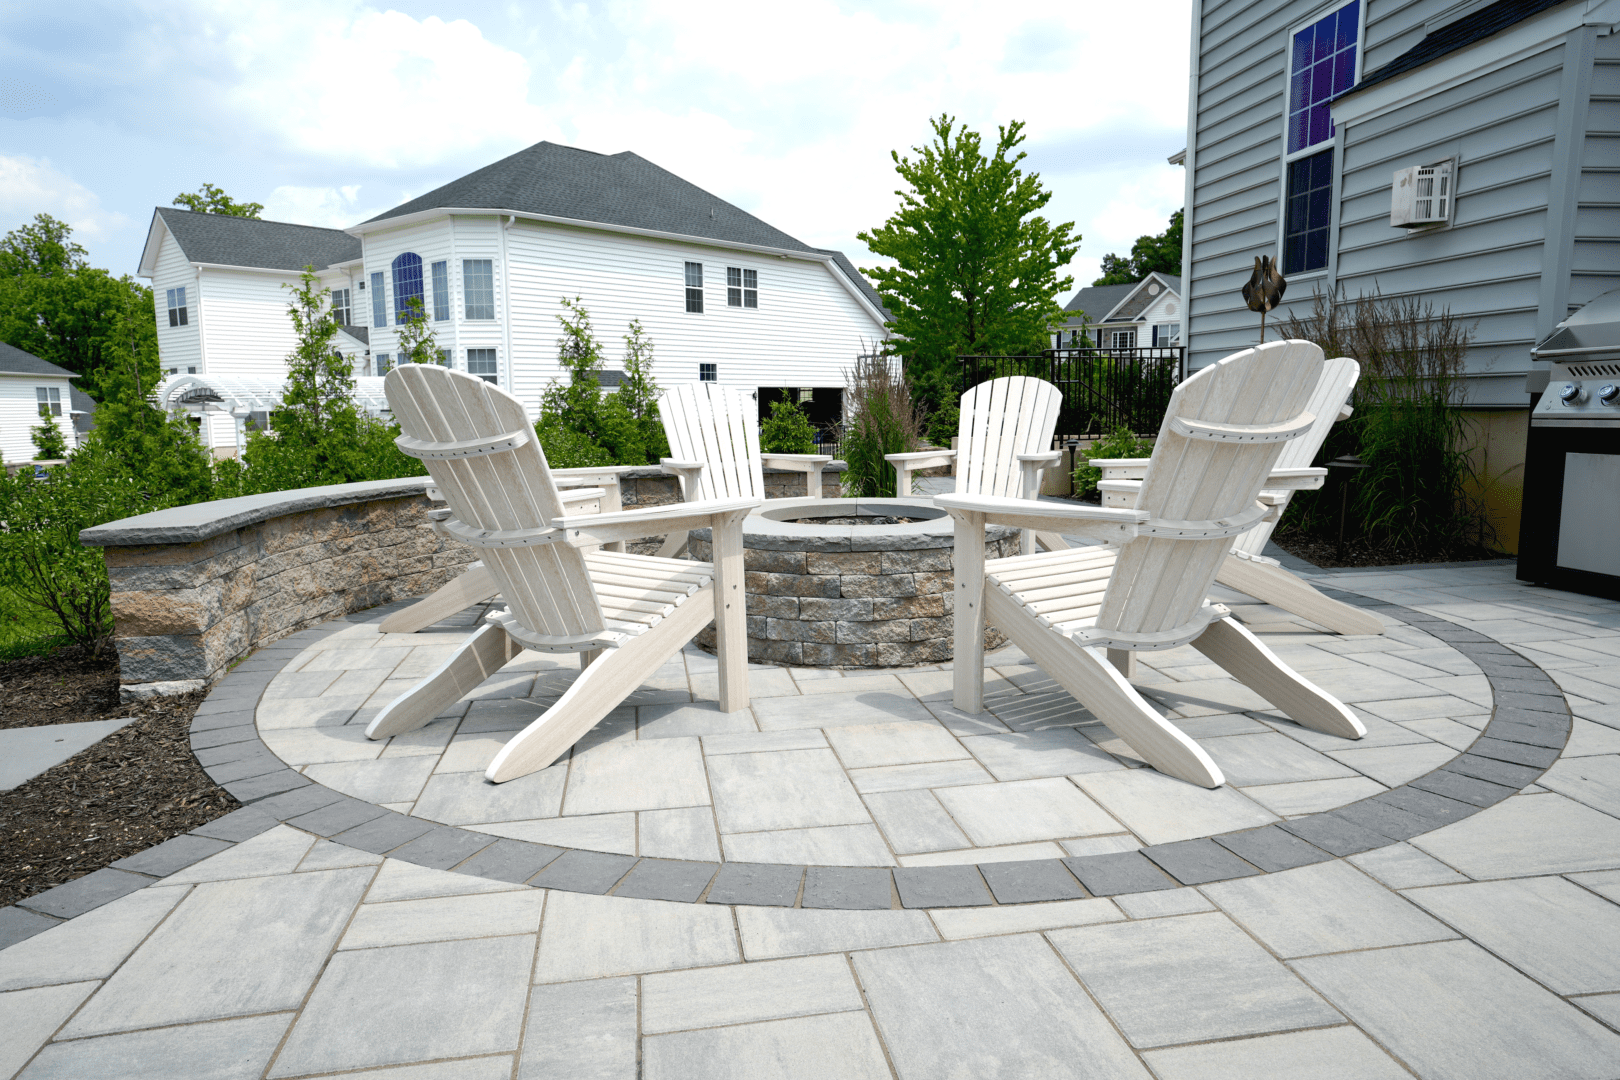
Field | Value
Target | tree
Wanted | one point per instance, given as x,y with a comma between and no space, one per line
577,419
417,342
1161,254
45,247
49,442
209,199
977,265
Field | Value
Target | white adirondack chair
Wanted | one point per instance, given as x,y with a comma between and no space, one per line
625,614
1246,569
1146,589
1004,443
713,434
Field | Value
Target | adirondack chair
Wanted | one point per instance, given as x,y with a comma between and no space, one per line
1246,569
1145,588
625,614
1004,443
713,434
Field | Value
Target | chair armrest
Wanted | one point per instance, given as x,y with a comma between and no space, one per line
802,462
1296,479
1104,522
671,465
921,459
1344,412
1120,492
650,521
572,495
588,476
1045,460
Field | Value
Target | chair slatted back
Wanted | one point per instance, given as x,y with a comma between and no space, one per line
546,586
1159,582
1001,419
718,426
1339,377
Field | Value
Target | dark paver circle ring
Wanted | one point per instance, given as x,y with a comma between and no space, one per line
1529,725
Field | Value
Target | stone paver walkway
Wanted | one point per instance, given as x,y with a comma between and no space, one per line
273,943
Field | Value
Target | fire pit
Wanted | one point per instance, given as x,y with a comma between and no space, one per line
850,582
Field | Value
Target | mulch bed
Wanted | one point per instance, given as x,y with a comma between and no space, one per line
1325,553
134,789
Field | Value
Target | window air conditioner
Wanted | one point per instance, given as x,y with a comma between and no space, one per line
1422,195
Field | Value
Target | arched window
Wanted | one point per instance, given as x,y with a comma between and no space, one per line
407,284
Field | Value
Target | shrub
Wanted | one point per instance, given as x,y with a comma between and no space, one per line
881,421
1120,444
588,427
49,441
787,430
944,422
566,448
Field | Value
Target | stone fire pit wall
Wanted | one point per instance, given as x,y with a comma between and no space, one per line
841,597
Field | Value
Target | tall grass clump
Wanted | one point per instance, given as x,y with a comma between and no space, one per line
880,419
1416,494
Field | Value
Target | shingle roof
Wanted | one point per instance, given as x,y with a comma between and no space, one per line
13,361
1472,27
272,245
1098,300
362,334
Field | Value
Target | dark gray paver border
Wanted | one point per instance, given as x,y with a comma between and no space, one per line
1530,724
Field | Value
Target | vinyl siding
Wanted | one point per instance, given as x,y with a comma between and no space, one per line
1597,220
19,412
179,347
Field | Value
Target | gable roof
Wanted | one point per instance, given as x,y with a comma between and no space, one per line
362,334
1472,27
223,240
13,361
1119,302
621,189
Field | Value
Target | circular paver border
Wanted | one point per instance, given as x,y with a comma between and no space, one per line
1529,726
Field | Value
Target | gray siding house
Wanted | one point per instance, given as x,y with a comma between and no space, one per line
1301,113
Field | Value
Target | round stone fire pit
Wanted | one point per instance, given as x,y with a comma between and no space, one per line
850,582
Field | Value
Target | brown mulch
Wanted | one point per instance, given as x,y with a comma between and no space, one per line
1325,553
134,789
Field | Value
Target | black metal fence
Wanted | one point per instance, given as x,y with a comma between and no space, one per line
1103,389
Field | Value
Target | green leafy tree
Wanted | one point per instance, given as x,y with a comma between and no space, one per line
787,430
417,342
210,199
639,391
976,265
1161,253
56,306
623,425
49,442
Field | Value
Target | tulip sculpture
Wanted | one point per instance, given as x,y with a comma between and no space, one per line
1264,289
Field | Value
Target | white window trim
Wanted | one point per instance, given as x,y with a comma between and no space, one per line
1335,144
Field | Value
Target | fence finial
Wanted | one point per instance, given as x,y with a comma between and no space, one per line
1264,289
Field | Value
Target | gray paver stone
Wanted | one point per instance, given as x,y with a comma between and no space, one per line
224,1050
86,893
173,854
238,825
1531,718
1333,833
259,787
242,732
291,804
210,756
20,924
1437,808
1518,753
584,1029
1532,702
245,767
510,860
1118,872
1454,785
212,721
1531,735
584,871
384,833
442,848
1031,880
768,884
940,886
334,818
1390,821
847,887
1272,849
1195,862
668,879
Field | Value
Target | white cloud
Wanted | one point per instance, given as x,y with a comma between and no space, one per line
328,207
30,186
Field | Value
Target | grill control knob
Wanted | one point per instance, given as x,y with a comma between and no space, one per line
1608,394
1573,393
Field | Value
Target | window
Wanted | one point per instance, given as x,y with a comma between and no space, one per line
444,358
407,284
340,306
441,291
191,371
1165,334
383,364
478,286
177,307
379,312
694,288
742,287
1321,64
708,372
50,400
481,362
1123,339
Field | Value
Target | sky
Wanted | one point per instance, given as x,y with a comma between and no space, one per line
333,111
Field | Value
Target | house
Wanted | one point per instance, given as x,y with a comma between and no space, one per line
31,391
1140,315
723,296
1313,128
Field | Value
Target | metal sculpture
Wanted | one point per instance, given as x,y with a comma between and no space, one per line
1264,289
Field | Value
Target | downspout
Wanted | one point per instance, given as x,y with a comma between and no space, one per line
202,359
506,309
1190,163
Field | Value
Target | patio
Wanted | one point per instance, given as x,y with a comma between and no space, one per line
852,879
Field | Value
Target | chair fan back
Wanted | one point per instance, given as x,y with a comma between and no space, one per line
719,426
1001,419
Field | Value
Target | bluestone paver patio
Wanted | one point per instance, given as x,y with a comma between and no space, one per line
851,879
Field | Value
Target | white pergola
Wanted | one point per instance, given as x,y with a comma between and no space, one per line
241,396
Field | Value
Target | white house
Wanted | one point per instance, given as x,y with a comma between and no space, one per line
1140,315
32,390
722,295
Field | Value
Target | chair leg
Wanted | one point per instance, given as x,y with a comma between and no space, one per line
1274,585
598,691
479,657
1051,541
730,612
967,663
1229,644
473,587
674,544
1096,683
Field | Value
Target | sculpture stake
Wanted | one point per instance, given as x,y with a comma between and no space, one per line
1264,290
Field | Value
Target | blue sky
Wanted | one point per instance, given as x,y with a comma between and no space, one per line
333,111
